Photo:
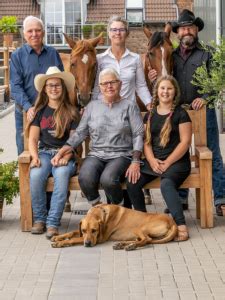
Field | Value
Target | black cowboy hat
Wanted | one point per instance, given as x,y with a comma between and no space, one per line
187,18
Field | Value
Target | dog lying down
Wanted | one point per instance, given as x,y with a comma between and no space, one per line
132,229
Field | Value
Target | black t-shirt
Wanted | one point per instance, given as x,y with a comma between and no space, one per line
157,121
44,120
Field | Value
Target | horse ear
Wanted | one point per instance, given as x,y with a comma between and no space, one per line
168,29
70,41
98,40
147,32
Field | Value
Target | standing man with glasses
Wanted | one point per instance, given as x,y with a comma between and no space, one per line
26,62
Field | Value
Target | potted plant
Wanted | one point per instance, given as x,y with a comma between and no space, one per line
9,182
8,26
212,81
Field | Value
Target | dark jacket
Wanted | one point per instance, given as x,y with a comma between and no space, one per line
183,71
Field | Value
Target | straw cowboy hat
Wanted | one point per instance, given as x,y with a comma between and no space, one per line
54,72
187,18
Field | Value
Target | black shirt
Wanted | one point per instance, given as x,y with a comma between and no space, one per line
44,120
157,121
183,70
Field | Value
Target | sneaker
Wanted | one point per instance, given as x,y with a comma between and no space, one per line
184,205
219,211
51,231
38,228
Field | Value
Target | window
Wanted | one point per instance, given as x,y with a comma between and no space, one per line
62,16
134,11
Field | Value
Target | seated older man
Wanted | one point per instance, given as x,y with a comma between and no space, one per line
115,127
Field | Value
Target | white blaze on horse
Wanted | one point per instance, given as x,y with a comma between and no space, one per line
159,53
81,62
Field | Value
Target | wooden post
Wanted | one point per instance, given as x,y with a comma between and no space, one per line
6,64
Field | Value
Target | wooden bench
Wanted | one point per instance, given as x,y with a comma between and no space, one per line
200,177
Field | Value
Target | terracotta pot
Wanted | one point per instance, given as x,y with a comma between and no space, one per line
8,39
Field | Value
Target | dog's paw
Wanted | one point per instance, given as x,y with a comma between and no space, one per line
118,246
56,245
130,247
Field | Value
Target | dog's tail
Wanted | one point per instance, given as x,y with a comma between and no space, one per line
171,234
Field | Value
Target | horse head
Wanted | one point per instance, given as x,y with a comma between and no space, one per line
159,53
83,65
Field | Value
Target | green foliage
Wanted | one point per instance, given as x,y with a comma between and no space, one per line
90,31
8,24
87,29
212,81
9,181
98,28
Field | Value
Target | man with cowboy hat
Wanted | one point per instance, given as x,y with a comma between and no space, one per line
187,58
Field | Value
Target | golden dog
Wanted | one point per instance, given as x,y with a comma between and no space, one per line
133,229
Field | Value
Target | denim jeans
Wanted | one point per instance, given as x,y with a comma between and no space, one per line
38,180
108,173
217,161
169,191
19,130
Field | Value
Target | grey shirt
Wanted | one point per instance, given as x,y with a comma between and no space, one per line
114,131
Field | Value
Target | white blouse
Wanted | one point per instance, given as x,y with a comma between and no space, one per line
131,73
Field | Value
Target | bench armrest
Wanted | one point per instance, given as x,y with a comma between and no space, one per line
203,152
24,157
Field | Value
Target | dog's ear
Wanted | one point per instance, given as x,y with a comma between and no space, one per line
80,229
101,230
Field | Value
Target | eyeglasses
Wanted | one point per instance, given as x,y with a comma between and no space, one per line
53,86
106,83
117,29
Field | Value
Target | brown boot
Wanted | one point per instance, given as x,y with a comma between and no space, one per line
38,228
51,231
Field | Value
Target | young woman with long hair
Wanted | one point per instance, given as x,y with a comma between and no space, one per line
55,119
166,149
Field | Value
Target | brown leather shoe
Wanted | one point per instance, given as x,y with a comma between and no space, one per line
38,228
51,231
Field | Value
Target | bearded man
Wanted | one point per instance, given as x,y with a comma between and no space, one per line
187,58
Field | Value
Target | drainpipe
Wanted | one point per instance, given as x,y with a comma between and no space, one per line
177,10
219,112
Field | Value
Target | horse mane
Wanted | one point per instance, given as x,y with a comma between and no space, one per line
83,46
158,38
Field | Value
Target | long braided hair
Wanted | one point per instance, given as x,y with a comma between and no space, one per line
167,127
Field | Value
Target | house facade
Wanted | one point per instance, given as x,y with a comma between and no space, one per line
86,18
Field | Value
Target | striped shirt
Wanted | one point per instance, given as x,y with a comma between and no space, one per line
131,73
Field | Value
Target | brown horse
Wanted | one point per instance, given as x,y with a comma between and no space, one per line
159,53
81,62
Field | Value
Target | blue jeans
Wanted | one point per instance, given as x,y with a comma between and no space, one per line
38,180
217,161
108,173
19,130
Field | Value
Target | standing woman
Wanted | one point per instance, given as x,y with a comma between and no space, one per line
55,119
126,63
166,148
